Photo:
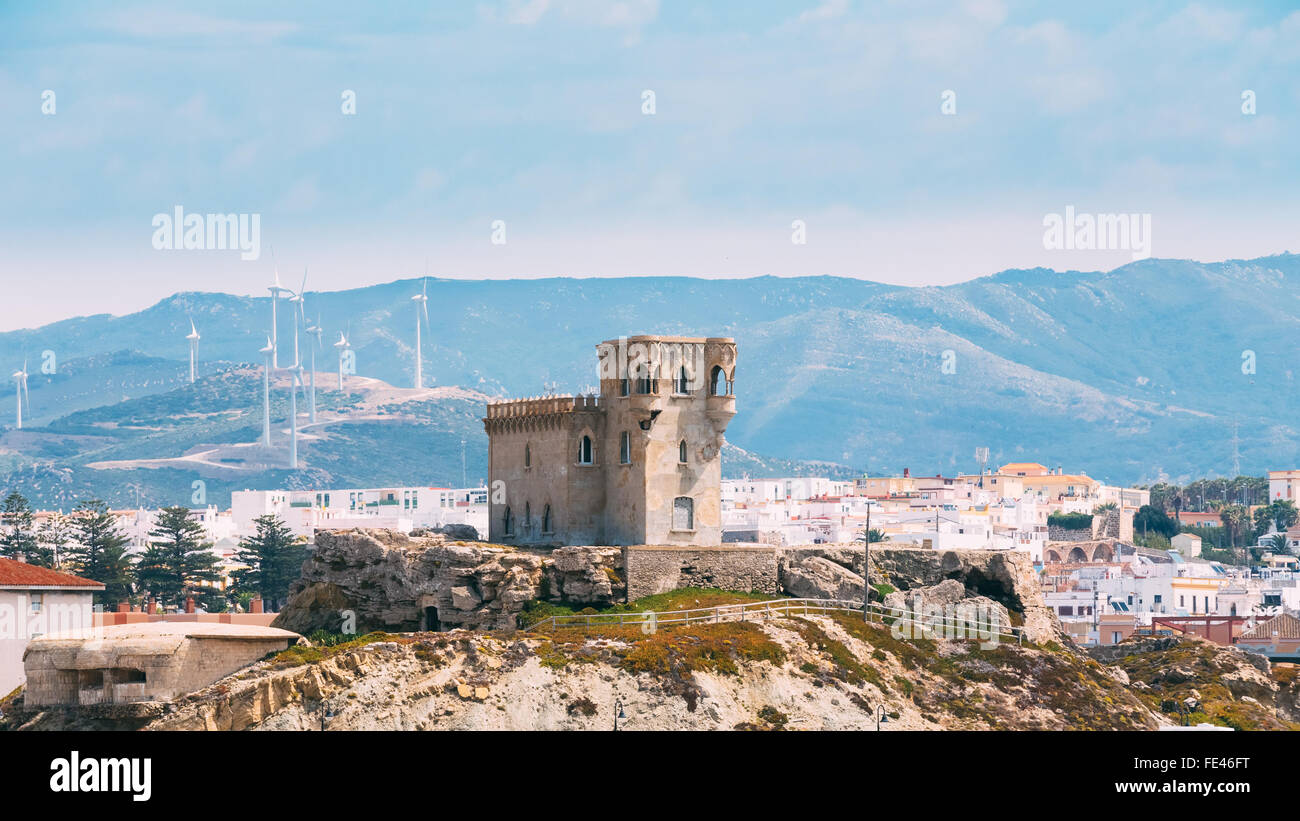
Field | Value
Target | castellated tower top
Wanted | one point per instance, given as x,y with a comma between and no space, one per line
685,364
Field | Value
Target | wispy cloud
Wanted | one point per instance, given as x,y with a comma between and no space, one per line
586,12
154,22
530,111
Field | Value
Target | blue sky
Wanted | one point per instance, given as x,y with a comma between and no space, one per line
531,112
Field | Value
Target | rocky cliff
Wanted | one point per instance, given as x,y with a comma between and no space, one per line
813,672
1000,577
388,580
392,581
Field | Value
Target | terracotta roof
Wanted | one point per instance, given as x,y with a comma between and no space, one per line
14,573
1287,627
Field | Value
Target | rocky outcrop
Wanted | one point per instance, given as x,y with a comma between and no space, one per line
998,581
1004,576
800,673
1189,678
950,605
816,577
365,580
452,532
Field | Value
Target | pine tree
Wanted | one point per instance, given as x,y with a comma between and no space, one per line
56,536
117,569
178,560
274,558
99,551
18,539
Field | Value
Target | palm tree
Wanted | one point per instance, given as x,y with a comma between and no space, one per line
1278,543
1233,517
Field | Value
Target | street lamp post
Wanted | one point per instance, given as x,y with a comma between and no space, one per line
881,718
866,566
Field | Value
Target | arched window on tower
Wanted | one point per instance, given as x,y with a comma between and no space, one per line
546,521
528,519
584,450
682,384
625,448
717,381
528,456
507,523
681,452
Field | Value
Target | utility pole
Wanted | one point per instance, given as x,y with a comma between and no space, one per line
866,566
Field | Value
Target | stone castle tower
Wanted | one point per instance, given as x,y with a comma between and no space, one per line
638,464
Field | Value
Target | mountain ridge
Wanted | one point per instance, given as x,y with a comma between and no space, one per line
1132,374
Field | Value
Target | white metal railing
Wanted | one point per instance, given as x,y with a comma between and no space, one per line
876,614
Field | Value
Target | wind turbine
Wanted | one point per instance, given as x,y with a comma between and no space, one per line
193,337
296,302
276,289
20,392
296,377
267,353
421,301
316,331
342,345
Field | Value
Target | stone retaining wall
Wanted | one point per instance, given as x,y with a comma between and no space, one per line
654,569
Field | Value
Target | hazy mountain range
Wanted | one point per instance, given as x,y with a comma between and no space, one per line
1131,375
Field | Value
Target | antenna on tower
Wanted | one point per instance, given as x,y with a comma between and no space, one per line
982,456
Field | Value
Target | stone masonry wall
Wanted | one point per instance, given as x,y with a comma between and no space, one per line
655,569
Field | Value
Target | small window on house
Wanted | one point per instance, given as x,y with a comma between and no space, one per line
38,600
528,456
507,522
584,450
683,513
681,385
625,448
546,519
681,452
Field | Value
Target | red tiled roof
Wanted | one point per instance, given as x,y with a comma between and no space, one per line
1286,626
14,573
